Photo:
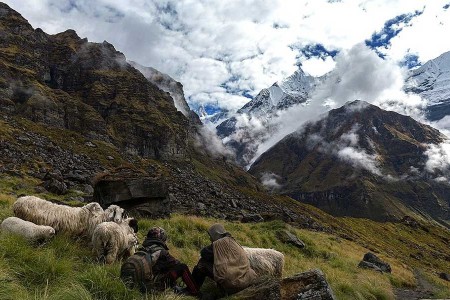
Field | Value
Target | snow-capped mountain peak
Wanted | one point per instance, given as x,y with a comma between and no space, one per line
432,82
281,95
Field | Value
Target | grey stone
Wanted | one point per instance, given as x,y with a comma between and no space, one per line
251,218
444,276
310,285
373,259
135,191
368,265
290,238
55,186
90,144
264,288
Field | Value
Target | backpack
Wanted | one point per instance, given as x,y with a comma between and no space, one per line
136,271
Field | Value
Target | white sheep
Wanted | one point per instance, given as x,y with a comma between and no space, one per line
29,230
63,218
112,241
266,261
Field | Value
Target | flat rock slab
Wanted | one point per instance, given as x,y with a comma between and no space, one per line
289,238
310,285
372,261
135,191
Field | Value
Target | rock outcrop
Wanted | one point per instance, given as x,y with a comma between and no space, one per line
135,190
289,238
371,261
310,285
67,82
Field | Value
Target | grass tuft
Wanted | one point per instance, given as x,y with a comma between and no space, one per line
65,268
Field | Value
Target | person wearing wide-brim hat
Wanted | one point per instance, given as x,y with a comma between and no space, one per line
224,261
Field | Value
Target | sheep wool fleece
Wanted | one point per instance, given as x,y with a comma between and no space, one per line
231,266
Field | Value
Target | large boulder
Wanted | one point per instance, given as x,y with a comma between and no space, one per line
310,285
289,238
265,288
135,190
371,261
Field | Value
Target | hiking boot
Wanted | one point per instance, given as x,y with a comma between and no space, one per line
184,291
178,289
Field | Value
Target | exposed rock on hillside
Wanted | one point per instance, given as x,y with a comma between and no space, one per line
67,82
135,190
310,285
371,261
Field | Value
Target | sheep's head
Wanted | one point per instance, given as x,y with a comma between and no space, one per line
51,232
94,208
115,213
47,234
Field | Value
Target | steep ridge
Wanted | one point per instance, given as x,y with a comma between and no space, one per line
360,161
171,86
67,82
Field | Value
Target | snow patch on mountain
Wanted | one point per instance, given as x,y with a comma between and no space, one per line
432,82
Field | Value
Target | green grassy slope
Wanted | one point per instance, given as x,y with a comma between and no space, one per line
65,268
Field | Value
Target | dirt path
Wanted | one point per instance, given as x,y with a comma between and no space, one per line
423,290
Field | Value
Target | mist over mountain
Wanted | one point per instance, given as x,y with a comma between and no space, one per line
284,107
360,160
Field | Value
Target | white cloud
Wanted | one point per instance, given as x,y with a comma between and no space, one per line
346,149
205,43
438,158
358,158
359,74
318,67
270,180
207,140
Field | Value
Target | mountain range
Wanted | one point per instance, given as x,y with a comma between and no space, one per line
431,81
71,109
81,123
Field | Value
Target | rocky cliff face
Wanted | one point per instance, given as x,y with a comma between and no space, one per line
171,86
359,161
67,82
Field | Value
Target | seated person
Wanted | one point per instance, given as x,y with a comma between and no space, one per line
224,261
167,268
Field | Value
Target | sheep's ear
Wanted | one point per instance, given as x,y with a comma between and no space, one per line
155,256
133,223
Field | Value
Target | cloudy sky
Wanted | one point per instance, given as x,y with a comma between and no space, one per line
226,51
